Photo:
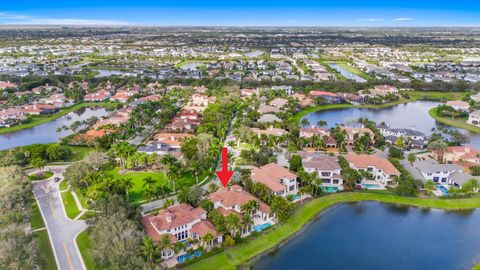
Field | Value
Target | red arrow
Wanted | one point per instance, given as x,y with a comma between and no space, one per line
224,175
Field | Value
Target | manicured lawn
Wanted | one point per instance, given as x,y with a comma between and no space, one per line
477,267
460,122
238,255
71,208
38,120
80,152
63,185
83,242
45,175
36,221
137,192
47,260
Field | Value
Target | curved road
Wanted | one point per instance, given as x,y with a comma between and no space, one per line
62,231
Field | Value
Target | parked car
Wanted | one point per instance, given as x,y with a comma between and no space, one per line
56,179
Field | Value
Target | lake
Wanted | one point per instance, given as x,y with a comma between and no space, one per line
371,235
47,133
347,74
408,115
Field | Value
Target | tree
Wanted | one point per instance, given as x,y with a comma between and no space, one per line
322,123
406,186
190,196
282,208
151,252
96,160
305,122
38,163
394,152
295,163
232,223
411,158
475,170
429,187
76,174
470,187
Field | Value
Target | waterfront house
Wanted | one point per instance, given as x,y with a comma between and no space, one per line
432,170
474,118
379,168
279,180
329,97
309,132
271,131
100,95
353,132
459,105
327,168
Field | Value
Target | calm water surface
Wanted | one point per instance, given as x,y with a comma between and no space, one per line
47,133
409,115
347,74
372,235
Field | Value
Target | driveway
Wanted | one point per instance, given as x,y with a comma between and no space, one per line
61,230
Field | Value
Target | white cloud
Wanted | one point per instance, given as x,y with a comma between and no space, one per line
8,18
402,19
371,20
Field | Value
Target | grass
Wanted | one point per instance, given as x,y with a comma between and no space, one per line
80,152
46,258
476,267
45,175
36,221
63,185
38,120
137,193
243,253
459,123
71,208
413,96
84,243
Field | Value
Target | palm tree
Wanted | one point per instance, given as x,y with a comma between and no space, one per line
305,122
232,224
429,187
196,170
207,239
151,252
322,123
173,173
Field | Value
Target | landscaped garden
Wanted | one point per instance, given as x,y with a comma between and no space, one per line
40,176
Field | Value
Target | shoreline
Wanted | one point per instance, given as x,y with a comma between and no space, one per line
40,120
433,112
244,253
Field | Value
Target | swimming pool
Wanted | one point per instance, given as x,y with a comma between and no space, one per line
442,189
371,186
259,228
185,257
330,189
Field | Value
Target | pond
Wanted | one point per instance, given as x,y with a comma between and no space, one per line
409,115
347,74
372,235
47,133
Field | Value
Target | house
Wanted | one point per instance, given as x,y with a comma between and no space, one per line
353,132
458,178
474,118
327,168
476,97
279,180
383,90
180,222
271,131
269,118
172,141
201,100
380,169
432,170
279,102
309,132
230,200
413,138
7,84
329,97
263,109
459,105
248,92
100,95
458,153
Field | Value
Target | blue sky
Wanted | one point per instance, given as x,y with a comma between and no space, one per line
244,13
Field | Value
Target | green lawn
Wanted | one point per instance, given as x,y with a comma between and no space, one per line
476,267
83,242
137,191
80,152
35,177
71,208
459,122
36,221
239,255
47,260
63,185
38,120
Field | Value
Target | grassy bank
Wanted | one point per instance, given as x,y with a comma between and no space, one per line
46,258
71,208
459,123
36,219
38,120
413,96
84,244
241,254
45,175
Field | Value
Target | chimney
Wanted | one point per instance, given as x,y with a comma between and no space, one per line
169,218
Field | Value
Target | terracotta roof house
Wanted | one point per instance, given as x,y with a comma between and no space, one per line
248,92
380,168
269,118
173,140
100,95
269,132
352,131
383,90
263,109
279,180
459,105
330,97
309,132
7,84
279,102
230,201
181,222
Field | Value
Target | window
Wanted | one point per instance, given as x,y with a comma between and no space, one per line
435,179
325,173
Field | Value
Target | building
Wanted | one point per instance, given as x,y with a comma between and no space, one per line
474,118
7,84
459,105
230,200
327,168
269,118
432,170
309,132
100,95
353,132
271,131
279,180
380,169
180,222
329,97
383,90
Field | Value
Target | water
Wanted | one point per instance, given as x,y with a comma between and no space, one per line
409,115
347,74
47,133
374,236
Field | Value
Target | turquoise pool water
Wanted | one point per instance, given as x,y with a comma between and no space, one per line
443,189
372,186
329,189
185,257
259,228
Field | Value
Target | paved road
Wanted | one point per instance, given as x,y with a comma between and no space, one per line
62,231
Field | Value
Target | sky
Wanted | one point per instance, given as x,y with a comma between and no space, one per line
390,13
